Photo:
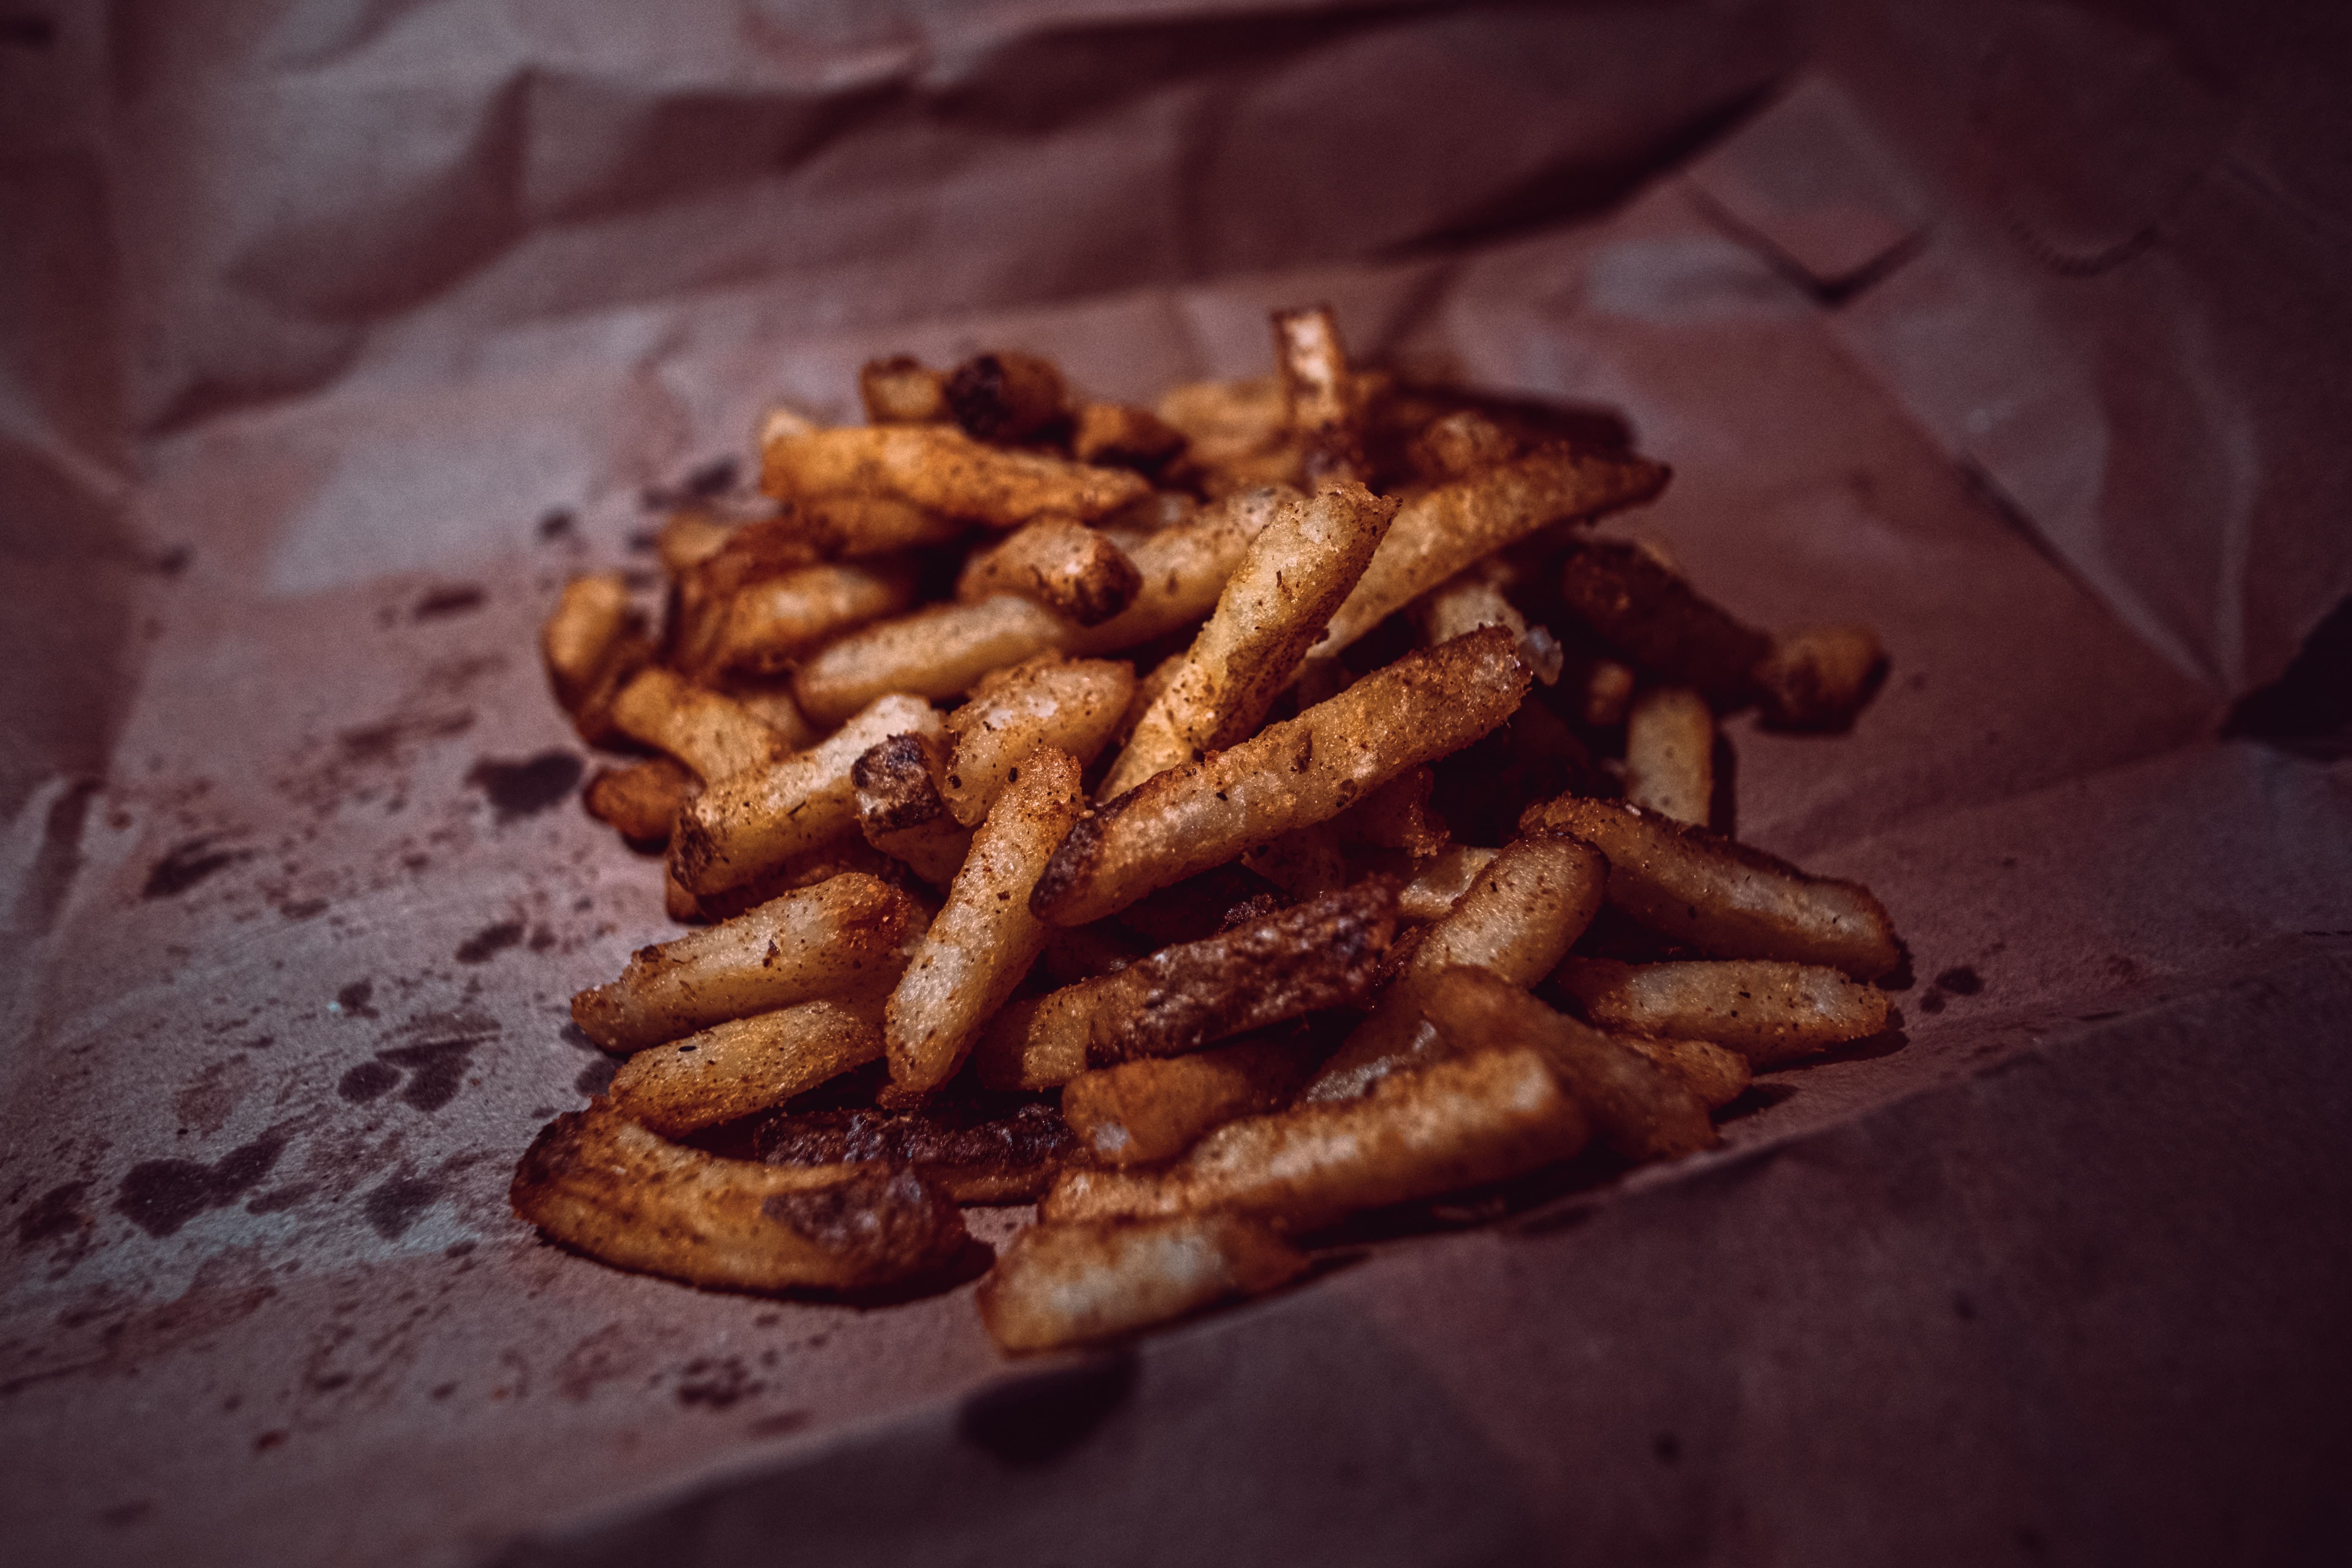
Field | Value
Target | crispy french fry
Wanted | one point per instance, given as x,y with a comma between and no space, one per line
745,1064
1006,396
900,390
941,469
642,800
1141,1113
593,643
1397,815
1071,705
1274,606
984,940
1432,893
1060,563
1768,1013
1724,898
1645,1112
1124,436
773,706
596,1181
1184,568
848,933
751,554
1670,754
1475,598
1608,693
1484,1118
1459,443
1643,606
858,525
767,626
1228,423
973,1151
688,537
1323,404
901,812
1718,1076
1079,1284
1428,703
714,735
1443,530
755,821
1820,678
834,858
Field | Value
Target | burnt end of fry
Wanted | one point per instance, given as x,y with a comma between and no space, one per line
1674,634
1006,396
975,1152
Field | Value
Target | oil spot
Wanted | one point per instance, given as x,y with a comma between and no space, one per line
54,1214
1037,1419
354,999
1960,982
159,1196
1932,1001
780,1425
436,1070
456,600
187,865
490,941
369,1080
715,1383
542,939
392,1208
282,1198
557,522
528,787
269,1440
596,1077
382,743
302,909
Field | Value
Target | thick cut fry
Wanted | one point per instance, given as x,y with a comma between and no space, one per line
859,525
1724,898
901,812
716,736
900,390
836,857
755,821
690,536
1643,606
1768,1013
1323,404
1124,436
1184,568
1820,678
642,800
848,933
974,1153
1441,532
1484,1118
1458,445
941,469
1432,893
1475,598
1228,423
1060,563
1071,705
984,940
1397,815
1430,702
594,644
1273,607
1670,754
1079,1284
773,706
1645,1112
747,1065
1141,1113
764,628
751,553
1718,1076
1006,396
598,1181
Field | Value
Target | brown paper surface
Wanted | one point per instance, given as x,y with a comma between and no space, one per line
322,317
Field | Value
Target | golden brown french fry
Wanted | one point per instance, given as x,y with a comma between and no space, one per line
1306,769
745,1064
1459,1123
1141,1113
1397,815
642,800
900,390
941,469
901,812
1061,564
598,1181
859,525
1434,887
1608,693
1068,704
593,643
1443,530
1323,404
751,554
1475,598
848,933
974,1153
767,626
1228,423
834,858
1457,445
1819,677
751,823
1079,1284
1645,1112
1768,1013
1670,754
984,939
1124,437
716,736
1183,568
1275,604
1724,898
688,537
1640,604
773,705
1718,1076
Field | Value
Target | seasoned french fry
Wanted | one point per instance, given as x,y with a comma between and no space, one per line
1068,704
690,536
754,821
1184,568
973,1151
1608,693
1643,606
900,811
1006,396
850,933
1484,1118
834,858
1228,423
936,652
1432,893
1323,404
1428,703
941,469
593,643
1768,1013
1141,1113
1475,598
1645,1112
773,706
745,1064
1444,530
1275,604
1724,898
642,800
1670,754
715,736
1078,1284
859,526
900,390
596,1181
984,940
1127,438
1715,1075
1459,443
767,626
1819,677
1062,564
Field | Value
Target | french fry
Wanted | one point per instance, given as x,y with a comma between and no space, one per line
900,390
901,812
1643,1111
688,537
1819,677
714,735
848,933
1275,604
751,554
858,526
1071,705
1435,887
1643,606
1080,1284
836,857
1724,898
592,643
941,469
1475,598
1670,754
767,626
1457,445
752,821
1124,436
773,706
936,652
1608,693
973,1151
983,941
1228,424
1006,396
598,1181
1443,530
1060,563
1184,568
1141,1113
1397,815
1306,769
745,1064
1718,1076
1459,1123
642,800
1768,1013
1323,404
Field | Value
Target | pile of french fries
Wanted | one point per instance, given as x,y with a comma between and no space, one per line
1082,804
